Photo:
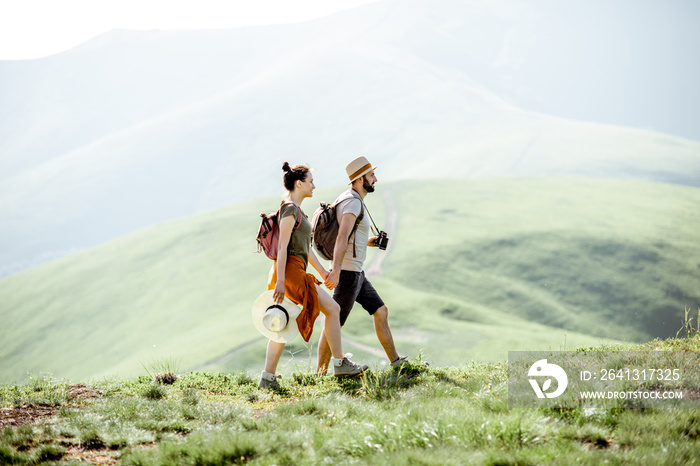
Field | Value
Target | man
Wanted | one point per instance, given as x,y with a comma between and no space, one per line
347,279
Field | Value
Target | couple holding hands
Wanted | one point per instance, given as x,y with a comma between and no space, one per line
346,277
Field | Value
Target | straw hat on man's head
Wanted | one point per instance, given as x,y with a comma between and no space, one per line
276,321
358,167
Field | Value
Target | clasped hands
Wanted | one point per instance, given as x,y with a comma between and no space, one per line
332,277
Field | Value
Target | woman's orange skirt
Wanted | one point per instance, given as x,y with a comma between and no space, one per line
300,287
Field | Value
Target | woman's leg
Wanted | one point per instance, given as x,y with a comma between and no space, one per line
274,351
331,330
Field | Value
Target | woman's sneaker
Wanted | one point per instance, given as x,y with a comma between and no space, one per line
346,368
268,381
401,360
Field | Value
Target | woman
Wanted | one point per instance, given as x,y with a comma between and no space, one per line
290,278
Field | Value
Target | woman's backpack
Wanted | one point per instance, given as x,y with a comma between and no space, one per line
268,236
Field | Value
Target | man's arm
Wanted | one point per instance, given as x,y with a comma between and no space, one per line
347,221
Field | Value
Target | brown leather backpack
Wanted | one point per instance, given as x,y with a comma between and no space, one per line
325,227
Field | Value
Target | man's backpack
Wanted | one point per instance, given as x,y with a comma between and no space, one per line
325,225
269,232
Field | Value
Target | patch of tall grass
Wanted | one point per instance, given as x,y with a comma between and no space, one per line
690,327
43,390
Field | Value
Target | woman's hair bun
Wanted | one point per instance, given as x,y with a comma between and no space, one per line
293,174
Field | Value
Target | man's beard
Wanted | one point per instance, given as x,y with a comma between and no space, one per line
368,187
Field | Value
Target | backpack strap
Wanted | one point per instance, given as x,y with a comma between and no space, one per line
354,195
297,223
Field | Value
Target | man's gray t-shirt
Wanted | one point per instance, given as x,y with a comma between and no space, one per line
353,205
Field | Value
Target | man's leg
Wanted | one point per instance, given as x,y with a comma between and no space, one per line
324,355
344,294
373,303
381,326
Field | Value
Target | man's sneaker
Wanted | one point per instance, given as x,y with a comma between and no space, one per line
346,368
400,361
404,359
268,381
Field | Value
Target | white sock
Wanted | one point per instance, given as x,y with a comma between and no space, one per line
339,361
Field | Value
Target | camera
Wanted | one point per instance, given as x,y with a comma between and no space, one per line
382,240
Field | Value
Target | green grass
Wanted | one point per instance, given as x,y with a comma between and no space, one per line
477,267
410,415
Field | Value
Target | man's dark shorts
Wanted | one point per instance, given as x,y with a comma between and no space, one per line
354,287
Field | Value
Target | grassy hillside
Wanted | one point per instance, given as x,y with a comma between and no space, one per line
413,415
607,258
476,267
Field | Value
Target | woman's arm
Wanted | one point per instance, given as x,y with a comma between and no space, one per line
286,226
313,260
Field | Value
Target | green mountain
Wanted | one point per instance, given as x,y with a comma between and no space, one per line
475,268
135,128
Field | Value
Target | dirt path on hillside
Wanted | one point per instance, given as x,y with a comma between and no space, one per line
361,346
374,269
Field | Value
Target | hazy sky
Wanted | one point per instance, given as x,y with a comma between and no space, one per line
38,28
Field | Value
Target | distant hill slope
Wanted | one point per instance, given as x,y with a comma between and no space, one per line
607,258
476,267
138,127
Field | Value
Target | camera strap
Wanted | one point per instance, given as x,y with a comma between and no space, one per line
375,230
